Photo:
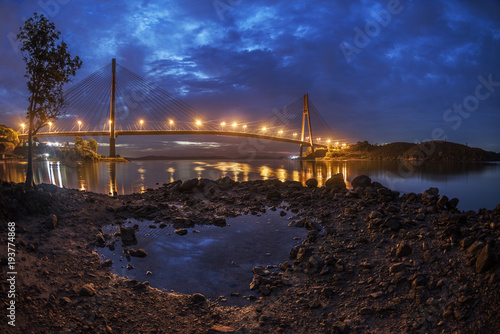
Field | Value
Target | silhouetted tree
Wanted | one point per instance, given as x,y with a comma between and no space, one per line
48,67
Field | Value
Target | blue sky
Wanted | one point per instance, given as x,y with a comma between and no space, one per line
380,71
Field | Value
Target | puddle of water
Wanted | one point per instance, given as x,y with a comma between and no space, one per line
214,261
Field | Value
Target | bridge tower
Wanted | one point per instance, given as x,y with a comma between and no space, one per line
305,113
112,151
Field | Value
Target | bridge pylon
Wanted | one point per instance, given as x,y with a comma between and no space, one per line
112,148
305,113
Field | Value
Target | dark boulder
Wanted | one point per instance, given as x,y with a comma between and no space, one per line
336,181
188,185
312,183
485,260
361,181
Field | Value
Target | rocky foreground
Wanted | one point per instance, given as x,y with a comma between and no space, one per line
373,261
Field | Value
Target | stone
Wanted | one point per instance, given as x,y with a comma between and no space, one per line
282,213
99,240
130,267
211,190
452,203
361,181
475,248
485,260
442,201
87,290
198,298
312,183
188,185
127,234
108,263
138,252
261,271
403,250
181,231
52,222
336,181
397,267
225,183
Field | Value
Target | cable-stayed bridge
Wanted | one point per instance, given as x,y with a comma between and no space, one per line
114,101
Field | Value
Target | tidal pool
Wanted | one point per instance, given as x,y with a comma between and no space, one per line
214,261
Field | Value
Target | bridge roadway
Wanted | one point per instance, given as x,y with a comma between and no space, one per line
168,132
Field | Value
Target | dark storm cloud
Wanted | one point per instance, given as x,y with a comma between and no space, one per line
248,57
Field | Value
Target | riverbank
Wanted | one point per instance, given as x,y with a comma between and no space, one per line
373,261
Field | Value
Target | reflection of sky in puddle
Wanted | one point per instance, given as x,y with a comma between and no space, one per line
216,261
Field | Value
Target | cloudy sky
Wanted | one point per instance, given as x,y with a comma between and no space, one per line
380,71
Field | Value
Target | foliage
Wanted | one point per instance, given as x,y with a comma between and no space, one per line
8,135
93,144
48,67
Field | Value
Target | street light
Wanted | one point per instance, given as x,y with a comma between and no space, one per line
79,125
295,134
198,123
109,122
264,129
171,123
50,126
141,122
222,125
234,126
22,126
280,132
244,128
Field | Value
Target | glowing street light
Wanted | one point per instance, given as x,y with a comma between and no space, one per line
141,122
50,126
234,126
109,122
171,123
222,125
280,132
22,126
264,129
295,134
79,125
198,123
329,141
244,128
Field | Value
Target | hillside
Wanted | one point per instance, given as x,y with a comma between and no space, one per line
430,151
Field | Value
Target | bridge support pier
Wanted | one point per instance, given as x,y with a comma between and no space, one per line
112,137
305,113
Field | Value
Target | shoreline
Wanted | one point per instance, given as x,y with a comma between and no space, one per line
373,259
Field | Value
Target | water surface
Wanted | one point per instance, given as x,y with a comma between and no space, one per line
474,183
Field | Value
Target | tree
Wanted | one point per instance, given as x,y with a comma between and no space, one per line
9,135
79,143
48,67
93,144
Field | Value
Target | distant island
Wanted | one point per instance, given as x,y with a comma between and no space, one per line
426,151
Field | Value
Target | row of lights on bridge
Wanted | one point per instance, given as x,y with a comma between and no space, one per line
198,124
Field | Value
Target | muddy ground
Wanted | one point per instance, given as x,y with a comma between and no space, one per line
374,261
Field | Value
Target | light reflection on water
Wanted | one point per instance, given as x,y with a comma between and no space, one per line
475,184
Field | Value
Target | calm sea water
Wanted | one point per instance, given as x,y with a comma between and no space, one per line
476,184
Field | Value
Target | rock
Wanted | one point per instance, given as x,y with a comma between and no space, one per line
341,327
403,250
52,222
261,271
282,213
431,192
138,252
485,260
397,267
108,263
442,201
336,181
452,203
361,181
211,190
181,231
198,298
312,183
475,247
130,267
99,240
225,183
188,185
127,234
313,225
375,214
87,290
